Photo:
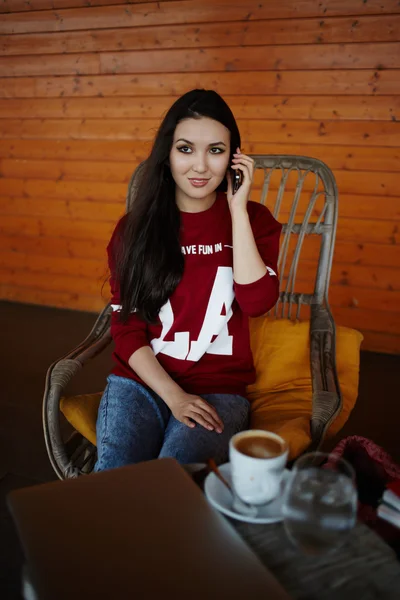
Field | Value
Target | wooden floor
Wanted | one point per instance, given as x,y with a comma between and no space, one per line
33,337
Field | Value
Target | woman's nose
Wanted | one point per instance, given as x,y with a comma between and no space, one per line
200,165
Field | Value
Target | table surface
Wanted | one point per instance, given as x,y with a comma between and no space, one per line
365,568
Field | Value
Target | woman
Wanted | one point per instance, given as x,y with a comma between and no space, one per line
189,264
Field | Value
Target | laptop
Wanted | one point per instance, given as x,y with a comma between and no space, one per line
141,531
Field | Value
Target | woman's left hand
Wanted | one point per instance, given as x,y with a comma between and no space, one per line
246,165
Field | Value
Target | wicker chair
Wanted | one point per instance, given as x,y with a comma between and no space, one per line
301,189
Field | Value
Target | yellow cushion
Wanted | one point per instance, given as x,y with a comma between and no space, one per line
281,397
81,412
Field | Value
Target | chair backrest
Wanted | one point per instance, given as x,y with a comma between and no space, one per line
301,193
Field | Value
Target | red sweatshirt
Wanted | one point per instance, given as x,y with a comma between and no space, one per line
202,338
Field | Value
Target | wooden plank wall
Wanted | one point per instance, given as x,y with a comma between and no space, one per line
83,86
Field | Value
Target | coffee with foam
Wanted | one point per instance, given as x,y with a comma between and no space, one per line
258,460
259,446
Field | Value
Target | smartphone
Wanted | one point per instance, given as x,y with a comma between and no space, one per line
236,180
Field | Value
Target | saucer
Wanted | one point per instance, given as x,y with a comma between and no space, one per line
220,498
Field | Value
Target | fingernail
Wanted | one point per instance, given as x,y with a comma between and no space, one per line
210,428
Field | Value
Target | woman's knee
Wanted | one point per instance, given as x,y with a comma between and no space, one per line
234,410
130,425
188,445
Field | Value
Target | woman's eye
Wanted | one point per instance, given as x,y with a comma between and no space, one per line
188,150
184,149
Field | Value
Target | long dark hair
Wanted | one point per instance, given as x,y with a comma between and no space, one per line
149,259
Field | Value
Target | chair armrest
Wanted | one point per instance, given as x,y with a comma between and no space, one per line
58,376
327,398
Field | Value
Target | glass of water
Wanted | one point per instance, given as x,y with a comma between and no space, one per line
320,503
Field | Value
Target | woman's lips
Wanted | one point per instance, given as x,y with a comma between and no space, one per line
198,182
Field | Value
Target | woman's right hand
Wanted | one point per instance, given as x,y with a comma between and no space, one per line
187,408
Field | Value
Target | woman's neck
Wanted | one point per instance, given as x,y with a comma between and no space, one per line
194,205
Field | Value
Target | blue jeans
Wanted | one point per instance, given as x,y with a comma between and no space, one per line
134,425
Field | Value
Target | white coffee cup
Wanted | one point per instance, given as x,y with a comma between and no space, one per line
258,460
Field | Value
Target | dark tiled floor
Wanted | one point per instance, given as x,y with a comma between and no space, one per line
33,337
